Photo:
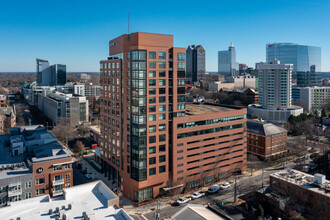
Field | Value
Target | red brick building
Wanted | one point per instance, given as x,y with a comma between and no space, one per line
142,109
266,140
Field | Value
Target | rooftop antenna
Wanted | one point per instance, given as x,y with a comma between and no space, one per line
128,24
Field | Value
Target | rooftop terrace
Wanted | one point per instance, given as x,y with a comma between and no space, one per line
199,109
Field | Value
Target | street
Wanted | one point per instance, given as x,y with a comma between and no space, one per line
247,183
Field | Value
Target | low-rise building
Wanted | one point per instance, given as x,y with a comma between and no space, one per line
7,119
57,106
32,164
295,189
266,140
197,212
246,81
92,200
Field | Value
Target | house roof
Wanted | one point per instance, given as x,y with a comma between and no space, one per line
264,128
195,212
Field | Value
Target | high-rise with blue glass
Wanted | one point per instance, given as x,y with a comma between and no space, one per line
306,60
227,64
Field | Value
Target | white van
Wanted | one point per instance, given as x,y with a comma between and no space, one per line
214,188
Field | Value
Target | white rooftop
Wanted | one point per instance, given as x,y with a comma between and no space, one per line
304,180
94,198
195,212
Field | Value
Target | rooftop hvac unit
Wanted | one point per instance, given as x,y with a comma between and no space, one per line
319,178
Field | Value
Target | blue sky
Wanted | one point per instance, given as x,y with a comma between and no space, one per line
76,33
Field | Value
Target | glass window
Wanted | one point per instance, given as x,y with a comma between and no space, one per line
162,116
128,56
135,55
162,148
162,91
40,191
162,73
162,108
162,138
181,56
181,82
28,195
142,55
152,100
162,169
152,150
152,82
152,171
152,73
162,65
162,159
152,160
67,177
152,65
152,108
181,90
40,181
152,128
152,55
181,106
181,66
162,82
152,117
152,91
28,185
181,98
162,99
162,127
162,55
152,139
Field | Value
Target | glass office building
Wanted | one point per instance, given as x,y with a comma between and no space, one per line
301,56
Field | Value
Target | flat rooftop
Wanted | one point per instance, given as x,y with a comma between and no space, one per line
303,180
93,198
199,109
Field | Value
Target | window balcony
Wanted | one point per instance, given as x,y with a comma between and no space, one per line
14,192
58,182
57,192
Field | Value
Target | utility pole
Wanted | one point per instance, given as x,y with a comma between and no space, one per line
262,176
157,213
235,188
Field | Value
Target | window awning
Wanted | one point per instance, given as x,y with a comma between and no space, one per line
173,187
57,164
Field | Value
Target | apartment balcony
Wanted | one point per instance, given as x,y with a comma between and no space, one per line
57,192
58,182
14,192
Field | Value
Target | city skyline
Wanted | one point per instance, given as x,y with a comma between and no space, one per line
78,36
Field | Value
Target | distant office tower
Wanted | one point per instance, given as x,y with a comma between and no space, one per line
54,75
306,61
227,64
195,64
275,84
41,65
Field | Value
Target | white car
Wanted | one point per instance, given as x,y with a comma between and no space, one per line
183,200
225,185
197,195
88,176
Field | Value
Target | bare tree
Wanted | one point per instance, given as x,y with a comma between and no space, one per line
82,130
63,132
79,147
253,162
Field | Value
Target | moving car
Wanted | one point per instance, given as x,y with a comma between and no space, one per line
88,176
214,188
225,185
197,195
183,200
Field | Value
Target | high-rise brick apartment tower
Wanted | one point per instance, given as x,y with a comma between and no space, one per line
142,109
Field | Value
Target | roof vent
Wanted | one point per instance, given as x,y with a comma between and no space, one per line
319,178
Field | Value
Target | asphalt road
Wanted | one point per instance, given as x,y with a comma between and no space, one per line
227,195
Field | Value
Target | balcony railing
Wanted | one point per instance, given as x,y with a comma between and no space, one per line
58,182
14,192
58,192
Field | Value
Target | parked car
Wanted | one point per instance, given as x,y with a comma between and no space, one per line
183,200
197,195
214,188
88,176
225,185
84,170
79,165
